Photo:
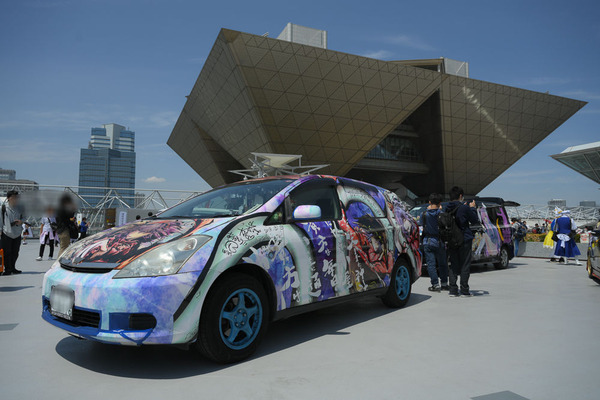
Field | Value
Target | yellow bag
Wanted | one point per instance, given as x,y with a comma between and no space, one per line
548,242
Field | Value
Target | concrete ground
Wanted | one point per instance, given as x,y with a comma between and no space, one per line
532,331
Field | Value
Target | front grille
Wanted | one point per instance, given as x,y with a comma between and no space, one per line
80,317
86,318
87,269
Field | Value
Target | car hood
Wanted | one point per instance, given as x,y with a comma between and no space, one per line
113,246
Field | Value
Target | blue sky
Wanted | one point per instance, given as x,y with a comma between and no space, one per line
69,65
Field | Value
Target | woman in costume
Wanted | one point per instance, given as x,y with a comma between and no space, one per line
565,245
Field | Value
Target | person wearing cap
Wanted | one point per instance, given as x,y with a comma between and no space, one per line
11,220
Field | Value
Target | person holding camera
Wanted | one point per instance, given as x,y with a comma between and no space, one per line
12,221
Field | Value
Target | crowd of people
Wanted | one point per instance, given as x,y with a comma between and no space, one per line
57,229
447,235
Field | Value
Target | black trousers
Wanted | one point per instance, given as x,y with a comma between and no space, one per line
50,243
460,265
10,247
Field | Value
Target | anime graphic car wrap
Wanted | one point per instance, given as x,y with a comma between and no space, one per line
488,242
306,262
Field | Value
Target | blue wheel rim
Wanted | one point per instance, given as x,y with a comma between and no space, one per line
240,319
402,282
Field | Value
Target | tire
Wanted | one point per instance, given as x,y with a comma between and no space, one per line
222,309
398,292
504,261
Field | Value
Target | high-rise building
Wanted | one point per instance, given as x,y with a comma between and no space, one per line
8,174
108,164
560,203
9,181
587,203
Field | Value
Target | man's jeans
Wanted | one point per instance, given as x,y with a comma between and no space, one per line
435,256
11,252
460,265
516,241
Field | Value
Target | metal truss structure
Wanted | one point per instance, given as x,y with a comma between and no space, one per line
533,213
35,201
267,164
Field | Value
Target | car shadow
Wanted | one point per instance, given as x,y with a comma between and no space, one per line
171,362
13,288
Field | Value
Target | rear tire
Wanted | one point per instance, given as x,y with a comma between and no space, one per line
504,261
400,288
234,319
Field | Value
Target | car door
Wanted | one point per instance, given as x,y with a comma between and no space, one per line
319,239
371,236
594,252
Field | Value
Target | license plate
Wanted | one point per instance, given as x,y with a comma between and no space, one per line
61,302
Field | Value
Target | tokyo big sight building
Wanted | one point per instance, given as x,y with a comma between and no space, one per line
108,162
417,126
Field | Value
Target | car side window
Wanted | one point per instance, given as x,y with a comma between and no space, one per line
316,193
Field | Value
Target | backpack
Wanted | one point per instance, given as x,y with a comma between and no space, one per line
53,225
520,232
449,230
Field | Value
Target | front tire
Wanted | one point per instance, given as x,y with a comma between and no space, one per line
504,259
398,292
234,319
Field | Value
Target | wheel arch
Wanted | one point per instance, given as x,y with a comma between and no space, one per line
259,274
412,270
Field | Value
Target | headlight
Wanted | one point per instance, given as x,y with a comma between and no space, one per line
166,259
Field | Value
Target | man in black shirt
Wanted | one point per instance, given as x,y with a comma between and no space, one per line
460,257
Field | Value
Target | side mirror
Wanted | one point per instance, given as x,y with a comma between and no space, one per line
303,213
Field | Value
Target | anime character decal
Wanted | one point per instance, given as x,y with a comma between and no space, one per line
488,242
122,243
316,261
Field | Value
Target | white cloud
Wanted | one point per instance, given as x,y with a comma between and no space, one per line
378,54
154,179
81,120
548,80
410,41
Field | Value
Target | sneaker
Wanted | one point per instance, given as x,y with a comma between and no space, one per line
446,288
6,273
38,259
577,262
453,294
50,258
467,294
435,288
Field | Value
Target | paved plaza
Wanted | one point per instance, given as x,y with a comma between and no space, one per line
532,331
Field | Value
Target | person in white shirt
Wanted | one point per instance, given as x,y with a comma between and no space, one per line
47,234
11,218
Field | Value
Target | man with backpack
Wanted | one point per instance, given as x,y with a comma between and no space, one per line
519,233
12,219
455,231
433,247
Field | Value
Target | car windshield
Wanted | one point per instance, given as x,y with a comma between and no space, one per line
231,200
417,211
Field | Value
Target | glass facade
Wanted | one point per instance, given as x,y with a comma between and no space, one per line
108,163
396,148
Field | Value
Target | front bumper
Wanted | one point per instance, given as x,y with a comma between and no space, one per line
105,304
